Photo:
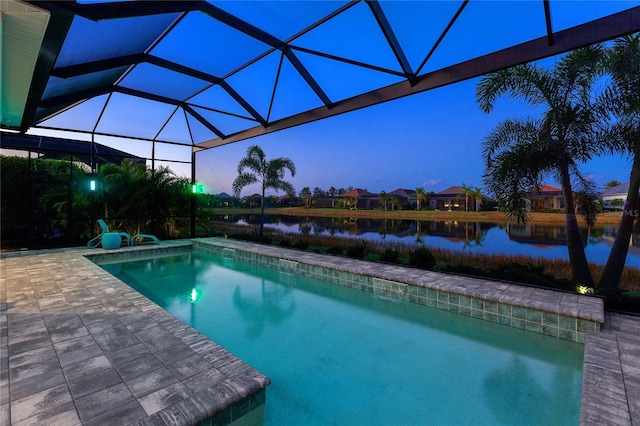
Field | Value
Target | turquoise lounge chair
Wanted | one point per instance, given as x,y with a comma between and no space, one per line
97,241
144,239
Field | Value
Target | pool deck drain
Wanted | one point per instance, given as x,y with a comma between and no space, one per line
77,346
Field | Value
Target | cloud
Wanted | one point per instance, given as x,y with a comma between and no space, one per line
431,182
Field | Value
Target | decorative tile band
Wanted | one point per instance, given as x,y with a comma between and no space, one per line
238,410
525,318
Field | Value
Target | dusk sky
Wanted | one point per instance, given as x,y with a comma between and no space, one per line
431,140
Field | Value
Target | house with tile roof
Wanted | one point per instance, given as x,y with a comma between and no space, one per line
546,197
451,198
405,196
615,197
224,200
360,199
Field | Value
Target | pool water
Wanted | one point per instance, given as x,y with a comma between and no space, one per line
336,355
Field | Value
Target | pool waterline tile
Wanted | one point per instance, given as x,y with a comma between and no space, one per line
515,302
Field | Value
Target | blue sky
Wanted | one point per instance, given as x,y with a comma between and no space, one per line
431,140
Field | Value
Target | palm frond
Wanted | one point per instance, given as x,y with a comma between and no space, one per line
527,82
586,198
243,179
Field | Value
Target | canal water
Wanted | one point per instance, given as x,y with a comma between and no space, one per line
487,238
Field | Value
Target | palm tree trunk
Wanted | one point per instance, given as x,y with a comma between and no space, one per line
579,266
618,255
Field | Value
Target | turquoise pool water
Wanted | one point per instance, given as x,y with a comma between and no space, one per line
341,356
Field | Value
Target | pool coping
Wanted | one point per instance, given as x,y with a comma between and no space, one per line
78,346
617,380
541,310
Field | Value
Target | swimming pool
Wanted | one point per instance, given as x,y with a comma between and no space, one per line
336,355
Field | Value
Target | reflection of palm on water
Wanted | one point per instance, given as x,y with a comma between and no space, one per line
274,305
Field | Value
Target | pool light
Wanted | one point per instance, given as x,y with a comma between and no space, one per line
195,295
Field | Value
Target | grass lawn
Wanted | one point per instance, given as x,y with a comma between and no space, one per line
492,216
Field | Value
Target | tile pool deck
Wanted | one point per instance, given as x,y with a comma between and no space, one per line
77,346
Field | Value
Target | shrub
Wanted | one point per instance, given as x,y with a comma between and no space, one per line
618,300
264,240
358,250
422,258
285,243
336,249
301,244
390,255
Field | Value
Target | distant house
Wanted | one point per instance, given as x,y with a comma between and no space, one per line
286,200
451,198
360,199
252,201
405,196
614,198
546,197
225,200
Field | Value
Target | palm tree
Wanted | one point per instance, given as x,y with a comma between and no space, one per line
477,196
612,184
305,194
266,173
411,196
384,199
520,153
621,101
421,196
468,193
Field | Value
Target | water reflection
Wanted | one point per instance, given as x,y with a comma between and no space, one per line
488,238
527,390
274,304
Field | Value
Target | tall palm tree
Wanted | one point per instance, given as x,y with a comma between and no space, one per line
477,196
519,154
621,101
421,196
305,194
255,168
468,193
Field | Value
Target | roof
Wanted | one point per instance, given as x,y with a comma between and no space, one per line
224,195
358,193
208,73
256,195
61,148
453,190
404,193
546,189
623,188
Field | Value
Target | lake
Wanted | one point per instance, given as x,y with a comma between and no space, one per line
488,238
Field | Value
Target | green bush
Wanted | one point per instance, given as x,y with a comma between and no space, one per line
358,250
301,244
335,250
422,258
617,300
285,243
390,255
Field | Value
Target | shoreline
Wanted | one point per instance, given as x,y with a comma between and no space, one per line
607,218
